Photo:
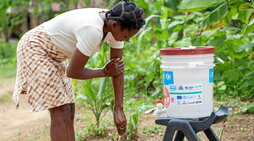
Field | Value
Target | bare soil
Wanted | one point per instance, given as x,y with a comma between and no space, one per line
22,125
18,124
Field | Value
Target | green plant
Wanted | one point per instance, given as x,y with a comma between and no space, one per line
94,130
97,100
247,108
132,130
79,135
135,111
97,93
156,129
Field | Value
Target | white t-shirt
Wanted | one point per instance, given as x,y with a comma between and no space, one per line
81,28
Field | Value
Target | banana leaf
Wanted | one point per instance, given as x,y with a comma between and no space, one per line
216,15
197,5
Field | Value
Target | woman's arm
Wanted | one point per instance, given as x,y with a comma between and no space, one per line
114,68
76,67
118,84
77,70
117,80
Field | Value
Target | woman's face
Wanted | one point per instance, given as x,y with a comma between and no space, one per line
122,34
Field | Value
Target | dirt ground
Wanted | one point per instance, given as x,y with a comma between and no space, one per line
21,125
18,124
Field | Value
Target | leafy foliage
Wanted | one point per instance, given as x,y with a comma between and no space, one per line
197,5
133,120
227,25
248,109
7,58
97,94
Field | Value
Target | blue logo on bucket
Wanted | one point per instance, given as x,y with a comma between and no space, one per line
179,97
211,75
168,77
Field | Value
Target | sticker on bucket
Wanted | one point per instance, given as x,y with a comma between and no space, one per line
168,77
186,94
166,96
211,75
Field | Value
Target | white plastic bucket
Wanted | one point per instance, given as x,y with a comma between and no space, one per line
188,81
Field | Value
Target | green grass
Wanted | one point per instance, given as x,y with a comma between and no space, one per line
7,71
7,59
5,97
7,77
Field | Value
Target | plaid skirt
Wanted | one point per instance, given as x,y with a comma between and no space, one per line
41,72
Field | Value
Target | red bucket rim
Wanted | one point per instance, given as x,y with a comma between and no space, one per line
188,51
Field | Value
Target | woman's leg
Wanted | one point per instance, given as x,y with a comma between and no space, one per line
61,123
71,129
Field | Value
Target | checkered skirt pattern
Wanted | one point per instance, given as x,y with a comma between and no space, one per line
41,72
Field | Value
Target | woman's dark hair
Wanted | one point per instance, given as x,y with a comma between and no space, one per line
128,14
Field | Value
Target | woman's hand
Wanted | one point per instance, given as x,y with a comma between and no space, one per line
114,67
120,120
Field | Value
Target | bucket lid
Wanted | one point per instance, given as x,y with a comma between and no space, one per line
187,51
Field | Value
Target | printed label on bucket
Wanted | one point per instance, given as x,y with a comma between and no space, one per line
168,77
186,94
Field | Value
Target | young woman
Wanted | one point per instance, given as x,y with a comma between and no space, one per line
42,72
